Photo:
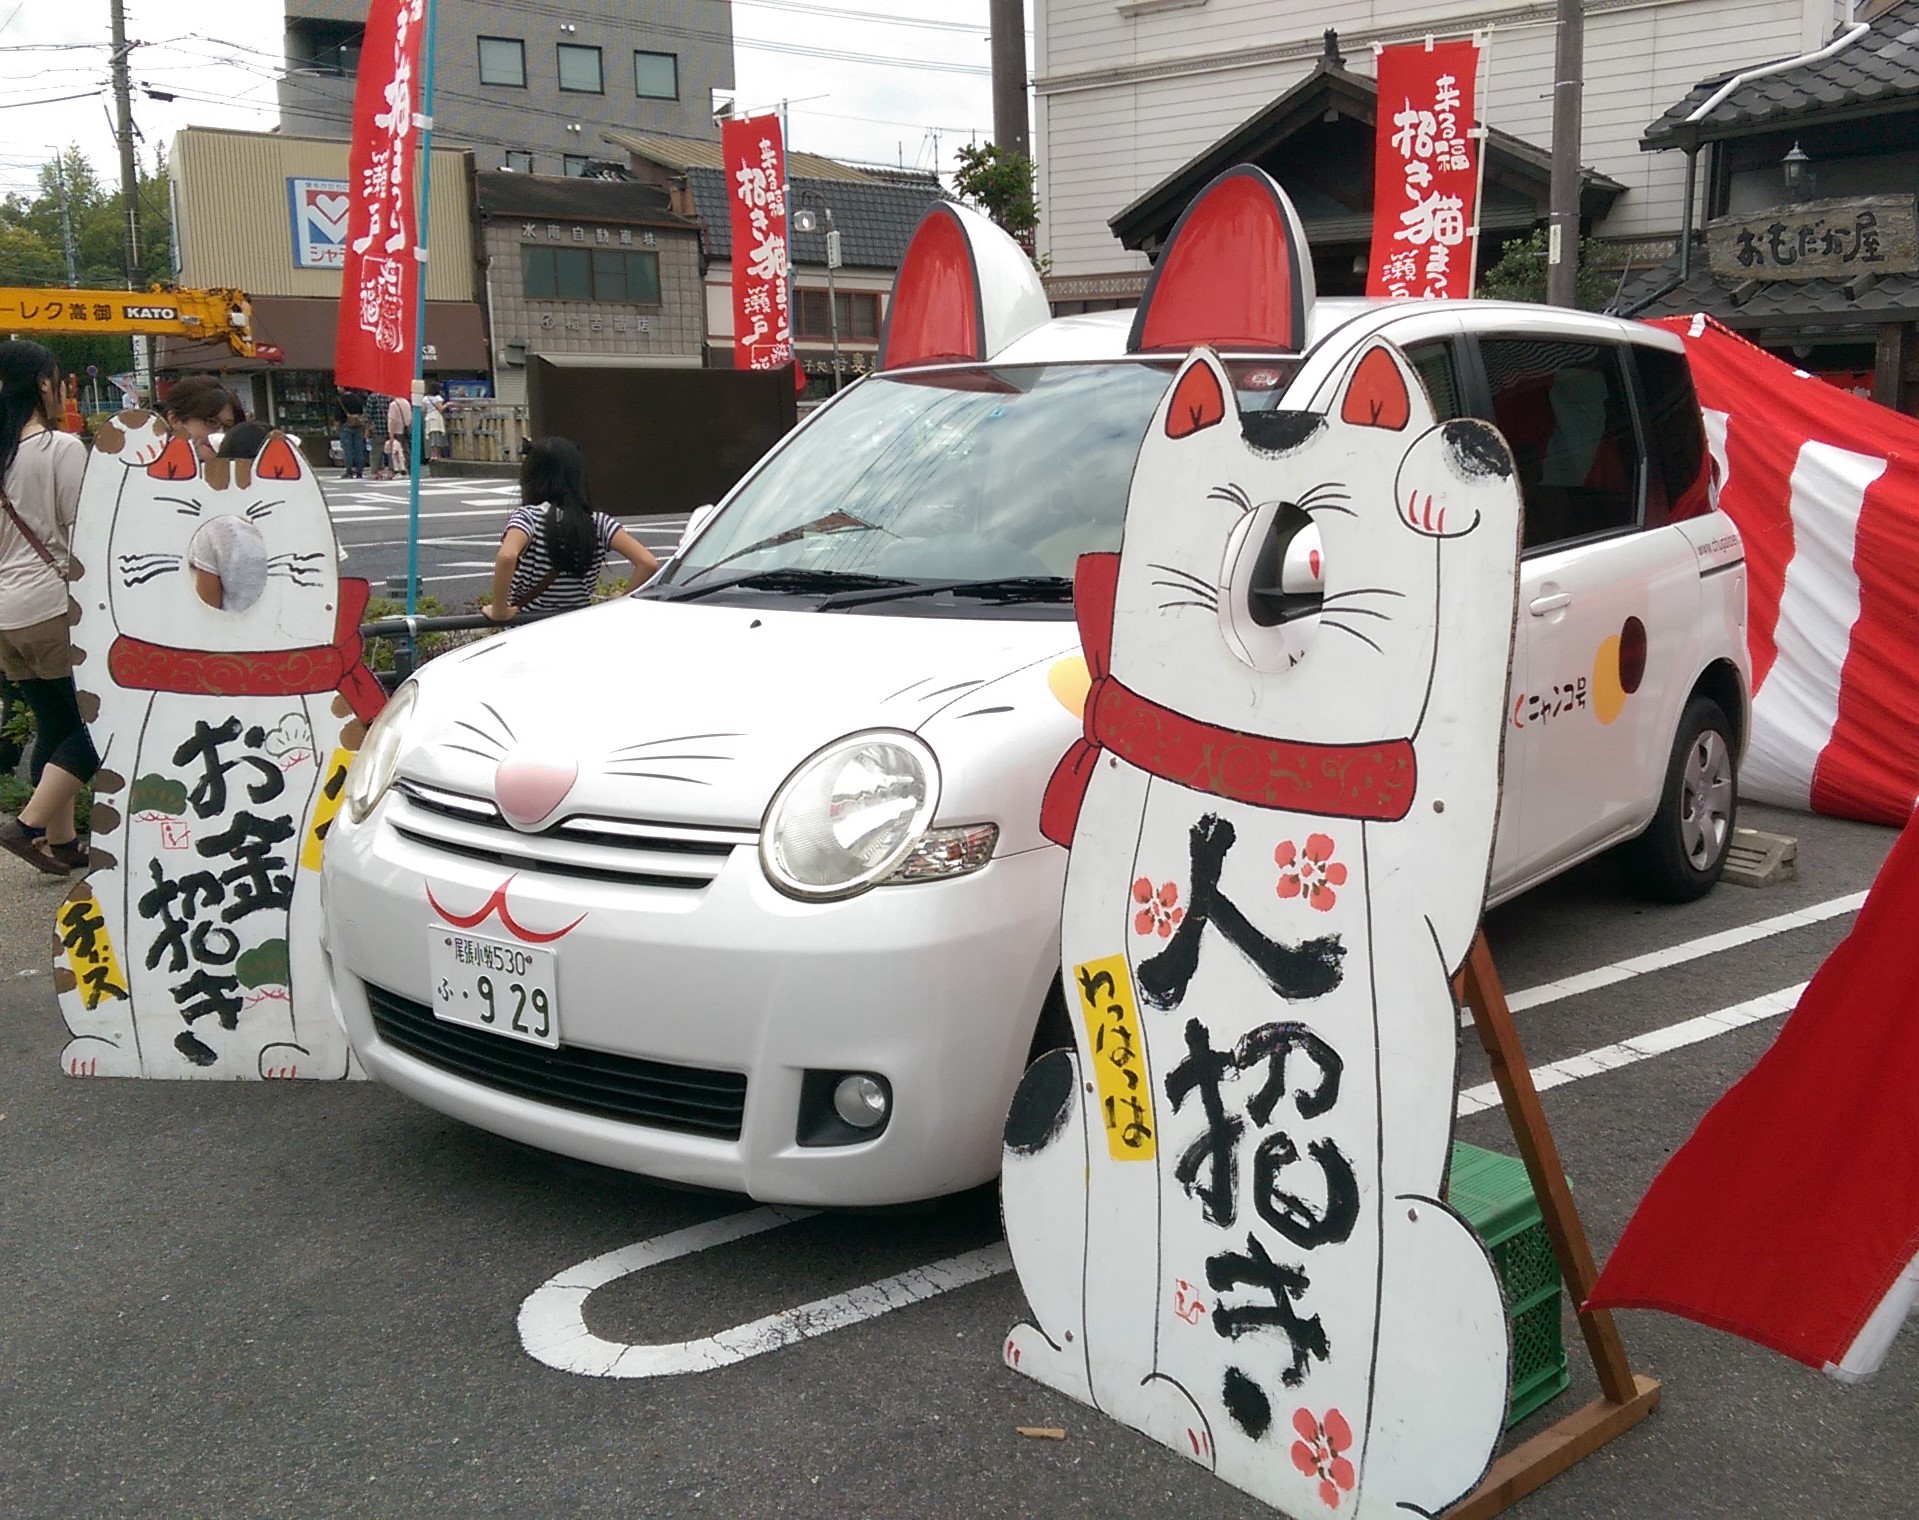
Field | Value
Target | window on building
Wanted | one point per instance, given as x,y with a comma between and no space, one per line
574,164
519,161
625,276
1564,409
580,69
503,62
656,76
859,315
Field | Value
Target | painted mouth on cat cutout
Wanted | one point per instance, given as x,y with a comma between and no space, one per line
529,787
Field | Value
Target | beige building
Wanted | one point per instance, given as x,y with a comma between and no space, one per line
267,214
1128,93
590,267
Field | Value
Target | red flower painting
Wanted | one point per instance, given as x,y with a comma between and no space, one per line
1319,1452
1159,911
1311,873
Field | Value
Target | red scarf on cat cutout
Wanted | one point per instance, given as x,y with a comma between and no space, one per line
1368,781
140,666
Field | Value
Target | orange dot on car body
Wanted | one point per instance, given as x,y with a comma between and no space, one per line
1618,669
1069,680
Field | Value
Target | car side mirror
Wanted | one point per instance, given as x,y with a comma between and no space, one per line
697,520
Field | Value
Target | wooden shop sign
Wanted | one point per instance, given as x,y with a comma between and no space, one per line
1817,240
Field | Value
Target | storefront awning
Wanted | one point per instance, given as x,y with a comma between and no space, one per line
304,328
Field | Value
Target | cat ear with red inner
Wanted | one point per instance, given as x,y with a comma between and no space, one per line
1199,400
277,460
177,460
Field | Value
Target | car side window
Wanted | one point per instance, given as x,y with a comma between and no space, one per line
1440,372
1565,410
1679,486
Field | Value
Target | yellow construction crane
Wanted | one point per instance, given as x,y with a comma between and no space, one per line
208,316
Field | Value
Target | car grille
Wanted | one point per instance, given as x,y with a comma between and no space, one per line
674,856
686,1098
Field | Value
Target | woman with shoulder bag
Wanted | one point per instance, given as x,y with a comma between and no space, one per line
40,470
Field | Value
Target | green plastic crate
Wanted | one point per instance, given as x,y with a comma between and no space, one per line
1495,1197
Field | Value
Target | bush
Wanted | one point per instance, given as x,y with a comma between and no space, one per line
379,653
17,734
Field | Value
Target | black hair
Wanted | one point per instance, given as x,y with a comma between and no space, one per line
244,440
553,474
201,398
23,366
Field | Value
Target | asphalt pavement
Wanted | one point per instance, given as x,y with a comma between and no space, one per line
306,1299
461,520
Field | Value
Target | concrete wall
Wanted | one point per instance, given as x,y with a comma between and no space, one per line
492,119
674,327
1126,93
233,221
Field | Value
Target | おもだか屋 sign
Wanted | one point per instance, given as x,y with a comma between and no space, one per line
1818,240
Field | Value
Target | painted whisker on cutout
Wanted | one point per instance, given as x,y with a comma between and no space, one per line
184,505
1231,493
1327,622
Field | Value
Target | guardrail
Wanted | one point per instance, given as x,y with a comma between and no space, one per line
407,631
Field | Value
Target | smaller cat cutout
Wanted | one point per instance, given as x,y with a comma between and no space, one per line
225,715
1224,1201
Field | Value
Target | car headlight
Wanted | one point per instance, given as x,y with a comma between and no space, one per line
372,770
849,815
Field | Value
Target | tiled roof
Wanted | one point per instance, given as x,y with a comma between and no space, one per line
680,153
1878,72
876,214
1892,297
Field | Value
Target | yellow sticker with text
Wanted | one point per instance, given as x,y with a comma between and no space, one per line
82,928
325,806
1111,1012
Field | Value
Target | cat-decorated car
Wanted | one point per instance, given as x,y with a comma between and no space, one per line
740,881
218,665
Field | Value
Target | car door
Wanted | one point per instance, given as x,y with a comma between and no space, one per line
1608,609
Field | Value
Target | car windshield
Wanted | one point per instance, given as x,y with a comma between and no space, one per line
951,486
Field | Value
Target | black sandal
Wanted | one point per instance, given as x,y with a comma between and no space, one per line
31,847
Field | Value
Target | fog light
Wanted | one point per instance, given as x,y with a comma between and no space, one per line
862,1101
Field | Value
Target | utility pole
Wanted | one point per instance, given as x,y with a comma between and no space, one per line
1010,128
66,218
1562,246
129,183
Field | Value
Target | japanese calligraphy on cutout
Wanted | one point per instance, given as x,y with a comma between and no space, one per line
374,341
755,159
1223,1201
1426,172
193,947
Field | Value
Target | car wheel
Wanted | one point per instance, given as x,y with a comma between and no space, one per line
1684,848
1054,1031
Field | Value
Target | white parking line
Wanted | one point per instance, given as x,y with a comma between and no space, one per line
553,1329
1655,1042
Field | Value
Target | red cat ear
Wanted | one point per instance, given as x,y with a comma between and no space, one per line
277,460
964,291
1376,396
177,461
1235,273
1198,401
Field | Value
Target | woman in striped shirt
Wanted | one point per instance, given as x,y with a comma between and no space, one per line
555,545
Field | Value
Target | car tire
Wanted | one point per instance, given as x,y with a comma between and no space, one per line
1683,850
1054,1030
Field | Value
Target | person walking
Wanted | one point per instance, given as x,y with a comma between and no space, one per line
433,424
555,544
40,470
349,416
399,434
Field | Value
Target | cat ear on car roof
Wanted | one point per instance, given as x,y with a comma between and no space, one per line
965,292
1236,274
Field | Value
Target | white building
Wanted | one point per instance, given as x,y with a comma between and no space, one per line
1128,93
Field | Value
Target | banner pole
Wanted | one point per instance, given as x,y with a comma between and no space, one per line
424,119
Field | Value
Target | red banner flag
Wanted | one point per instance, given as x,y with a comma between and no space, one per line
375,343
1426,172
756,189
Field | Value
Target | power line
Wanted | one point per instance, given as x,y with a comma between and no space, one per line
873,16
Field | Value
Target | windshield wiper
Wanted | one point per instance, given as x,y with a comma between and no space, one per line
1003,590
796,581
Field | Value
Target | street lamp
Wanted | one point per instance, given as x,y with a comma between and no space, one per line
805,221
1796,167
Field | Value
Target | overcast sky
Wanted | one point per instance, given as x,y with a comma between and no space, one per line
877,112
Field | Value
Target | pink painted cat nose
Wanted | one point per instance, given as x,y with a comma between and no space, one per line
529,787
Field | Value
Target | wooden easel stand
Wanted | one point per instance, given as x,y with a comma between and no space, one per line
1625,1398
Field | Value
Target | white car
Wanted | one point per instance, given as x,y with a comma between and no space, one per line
739,882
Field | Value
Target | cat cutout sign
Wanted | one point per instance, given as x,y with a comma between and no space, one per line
1223,1201
219,670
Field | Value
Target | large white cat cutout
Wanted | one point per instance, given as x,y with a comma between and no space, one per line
193,947
1223,1203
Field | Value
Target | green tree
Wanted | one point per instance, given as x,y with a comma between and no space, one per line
1000,182
1519,274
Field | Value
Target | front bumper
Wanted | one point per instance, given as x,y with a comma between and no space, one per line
935,986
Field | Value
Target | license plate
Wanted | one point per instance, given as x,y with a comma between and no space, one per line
495,985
